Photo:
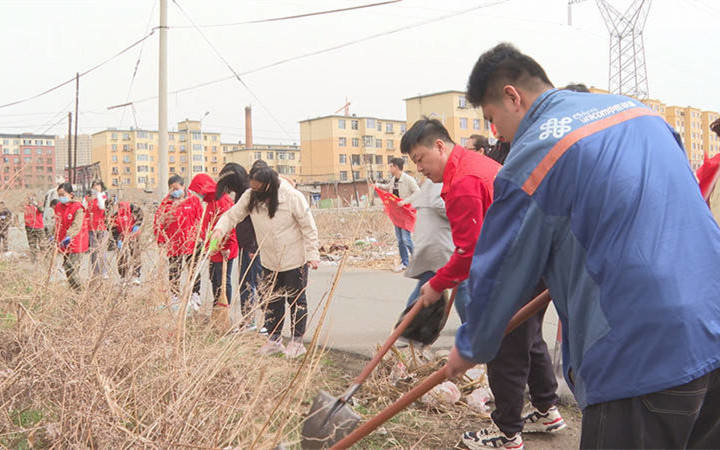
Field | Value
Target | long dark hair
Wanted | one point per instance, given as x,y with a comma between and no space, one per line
269,178
233,178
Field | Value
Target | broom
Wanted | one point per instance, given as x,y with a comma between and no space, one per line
220,318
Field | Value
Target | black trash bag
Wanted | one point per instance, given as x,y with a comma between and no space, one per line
425,328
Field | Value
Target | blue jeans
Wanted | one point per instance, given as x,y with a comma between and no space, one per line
405,244
462,298
248,285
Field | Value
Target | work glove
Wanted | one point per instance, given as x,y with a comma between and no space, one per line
65,242
119,244
135,228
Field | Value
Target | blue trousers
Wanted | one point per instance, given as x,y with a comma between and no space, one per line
405,244
462,298
248,285
216,279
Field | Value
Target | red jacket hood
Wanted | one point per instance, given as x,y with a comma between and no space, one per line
203,185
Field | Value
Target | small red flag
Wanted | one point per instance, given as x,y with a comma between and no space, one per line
401,216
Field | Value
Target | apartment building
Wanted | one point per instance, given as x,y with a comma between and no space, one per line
129,158
349,148
84,151
285,159
28,161
453,110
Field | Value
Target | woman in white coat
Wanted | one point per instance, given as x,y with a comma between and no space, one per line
288,244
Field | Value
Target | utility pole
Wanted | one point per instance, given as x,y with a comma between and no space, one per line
69,139
77,97
162,104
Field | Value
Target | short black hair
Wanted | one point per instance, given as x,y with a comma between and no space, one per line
501,65
232,178
67,187
54,202
424,132
99,182
176,179
480,141
577,87
398,162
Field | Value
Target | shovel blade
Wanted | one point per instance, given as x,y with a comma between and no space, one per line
321,431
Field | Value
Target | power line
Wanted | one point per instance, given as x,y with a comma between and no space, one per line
71,80
230,67
60,114
296,16
326,50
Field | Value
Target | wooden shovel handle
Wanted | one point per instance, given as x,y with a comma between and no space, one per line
527,311
223,280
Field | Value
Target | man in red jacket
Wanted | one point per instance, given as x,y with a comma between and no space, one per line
467,178
204,187
175,226
71,232
34,227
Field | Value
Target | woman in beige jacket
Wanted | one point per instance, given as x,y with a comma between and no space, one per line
288,243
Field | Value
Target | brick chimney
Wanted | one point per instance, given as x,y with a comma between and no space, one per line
248,127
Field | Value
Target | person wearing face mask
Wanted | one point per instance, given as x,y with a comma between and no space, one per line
96,206
71,232
204,187
288,242
175,226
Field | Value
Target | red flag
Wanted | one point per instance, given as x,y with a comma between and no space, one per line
401,216
707,175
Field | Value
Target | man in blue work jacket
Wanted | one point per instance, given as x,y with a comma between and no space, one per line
597,198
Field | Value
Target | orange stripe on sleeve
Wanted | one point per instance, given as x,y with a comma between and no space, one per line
547,163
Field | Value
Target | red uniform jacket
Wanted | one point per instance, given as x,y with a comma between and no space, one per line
124,220
97,215
33,217
175,224
468,191
203,185
65,215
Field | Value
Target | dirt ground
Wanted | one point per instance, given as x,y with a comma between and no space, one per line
419,427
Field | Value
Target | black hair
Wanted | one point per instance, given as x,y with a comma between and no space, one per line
176,179
398,162
576,87
96,182
715,127
233,178
424,132
258,163
54,202
499,66
67,187
270,179
480,141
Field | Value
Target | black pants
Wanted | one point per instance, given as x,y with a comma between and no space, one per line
129,259
289,287
686,416
523,359
216,280
175,268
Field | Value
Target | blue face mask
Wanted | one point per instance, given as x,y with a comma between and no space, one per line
177,193
63,199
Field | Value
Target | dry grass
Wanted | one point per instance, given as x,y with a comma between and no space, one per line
110,368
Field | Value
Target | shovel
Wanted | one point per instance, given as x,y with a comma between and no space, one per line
330,418
437,377
220,316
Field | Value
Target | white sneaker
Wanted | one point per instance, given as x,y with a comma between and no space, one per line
492,437
136,281
400,268
295,348
263,331
195,302
548,422
272,347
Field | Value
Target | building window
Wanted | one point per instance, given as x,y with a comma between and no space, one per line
127,170
343,158
171,158
341,124
370,123
379,126
354,124
356,174
27,151
342,142
197,147
125,147
258,155
378,143
269,155
126,159
142,134
378,159
388,127
403,127
126,136
113,136
390,144
183,138
463,142
182,148
355,160
463,123
476,124
281,155
343,175
197,157
196,135
197,168
368,141
356,142
114,158
114,147
183,158
462,102
291,155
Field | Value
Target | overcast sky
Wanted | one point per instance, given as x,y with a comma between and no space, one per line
46,42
